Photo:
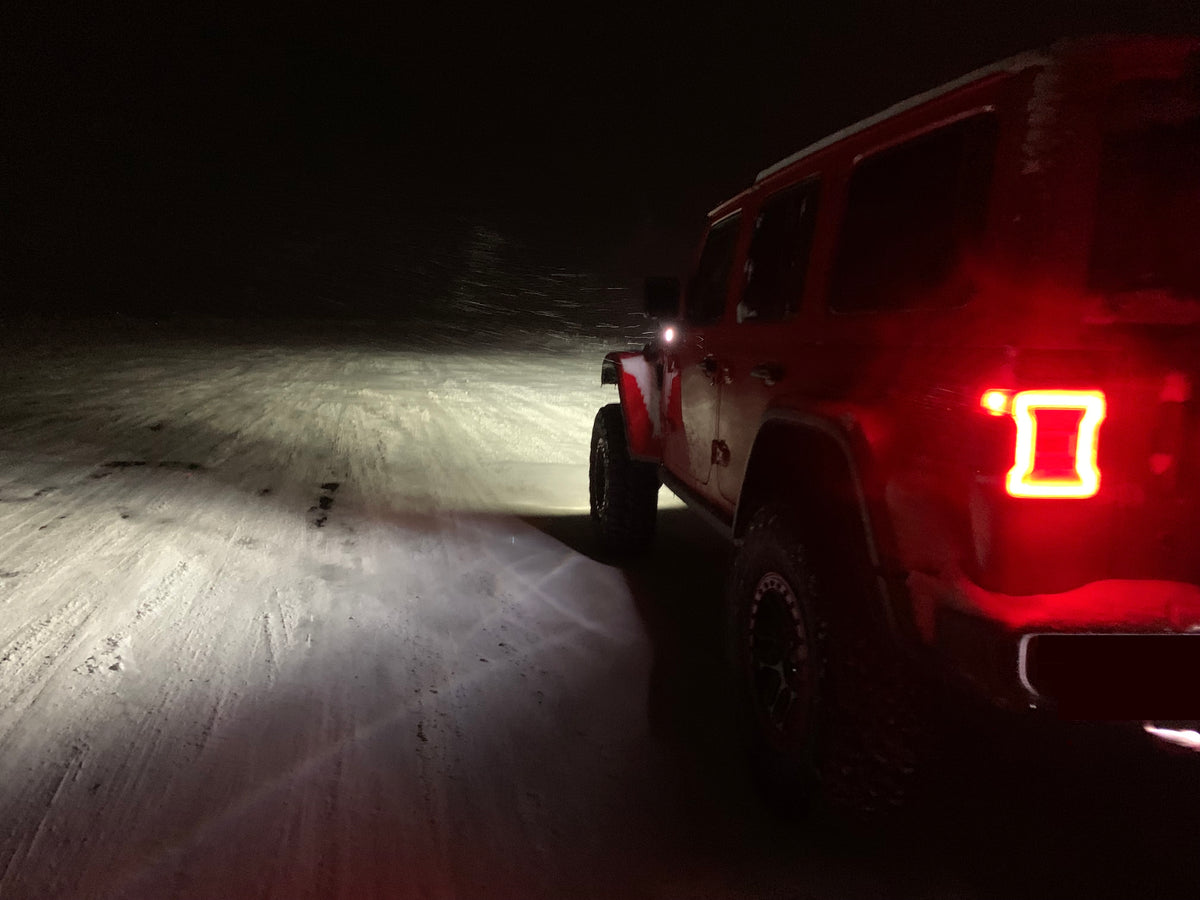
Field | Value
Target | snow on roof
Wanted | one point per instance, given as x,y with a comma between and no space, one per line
1017,63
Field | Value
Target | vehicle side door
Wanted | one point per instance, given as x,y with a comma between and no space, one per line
692,373
762,347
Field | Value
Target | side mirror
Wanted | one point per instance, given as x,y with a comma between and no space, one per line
661,297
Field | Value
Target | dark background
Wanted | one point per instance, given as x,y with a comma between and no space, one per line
349,160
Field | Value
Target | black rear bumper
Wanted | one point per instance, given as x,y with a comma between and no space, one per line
1114,676
1083,676
1116,650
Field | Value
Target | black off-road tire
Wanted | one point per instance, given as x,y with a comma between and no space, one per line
623,491
854,728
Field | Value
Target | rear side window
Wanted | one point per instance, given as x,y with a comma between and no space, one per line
1147,235
912,212
778,259
708,287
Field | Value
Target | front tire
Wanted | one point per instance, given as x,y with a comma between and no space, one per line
623,491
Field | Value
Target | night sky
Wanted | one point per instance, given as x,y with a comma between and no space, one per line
167,159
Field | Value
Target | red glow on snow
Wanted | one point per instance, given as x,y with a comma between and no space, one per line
1023,479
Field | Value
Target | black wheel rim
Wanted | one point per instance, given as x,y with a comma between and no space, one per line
778,657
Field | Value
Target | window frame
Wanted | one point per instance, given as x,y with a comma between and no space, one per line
733,221
813,186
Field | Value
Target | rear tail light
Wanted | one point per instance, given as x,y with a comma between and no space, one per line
1056,438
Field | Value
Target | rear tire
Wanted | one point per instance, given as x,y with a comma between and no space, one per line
623,491
830,716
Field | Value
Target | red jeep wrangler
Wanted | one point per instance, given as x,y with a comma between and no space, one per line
934,377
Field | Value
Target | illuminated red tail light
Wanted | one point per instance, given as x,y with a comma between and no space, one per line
1057,435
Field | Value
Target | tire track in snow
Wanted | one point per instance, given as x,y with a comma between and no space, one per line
277,634
52,790
111,653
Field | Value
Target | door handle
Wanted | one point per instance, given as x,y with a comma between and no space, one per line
768,373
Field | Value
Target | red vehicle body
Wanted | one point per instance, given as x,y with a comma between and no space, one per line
980,332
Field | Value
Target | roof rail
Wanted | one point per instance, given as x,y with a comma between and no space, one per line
1017,63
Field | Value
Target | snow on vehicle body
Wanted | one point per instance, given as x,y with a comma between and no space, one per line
956,347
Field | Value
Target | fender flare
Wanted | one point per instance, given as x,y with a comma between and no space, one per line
840,430
638,388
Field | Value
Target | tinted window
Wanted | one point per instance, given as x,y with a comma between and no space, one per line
706,292
911,213
1148,212
778,257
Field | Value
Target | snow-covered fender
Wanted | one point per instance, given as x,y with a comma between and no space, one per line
636,378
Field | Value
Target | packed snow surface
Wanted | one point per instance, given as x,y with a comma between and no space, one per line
271,623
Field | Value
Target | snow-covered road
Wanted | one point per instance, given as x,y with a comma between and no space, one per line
272,627
319,617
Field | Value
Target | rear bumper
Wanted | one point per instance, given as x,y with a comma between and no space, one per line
1122,649
1114,676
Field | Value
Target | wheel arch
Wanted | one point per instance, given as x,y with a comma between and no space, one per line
822,468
